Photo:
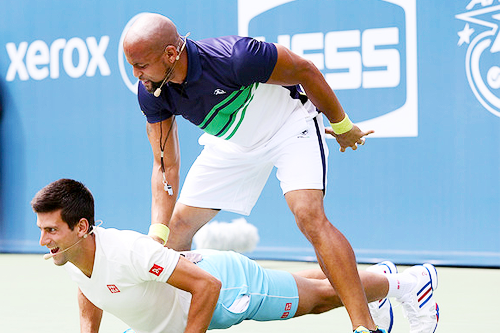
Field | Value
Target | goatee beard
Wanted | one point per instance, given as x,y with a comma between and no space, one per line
154,86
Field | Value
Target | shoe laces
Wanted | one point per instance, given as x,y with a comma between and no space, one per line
414,315
410,312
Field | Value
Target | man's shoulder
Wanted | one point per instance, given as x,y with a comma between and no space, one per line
117,235
222,45
117,242
229,39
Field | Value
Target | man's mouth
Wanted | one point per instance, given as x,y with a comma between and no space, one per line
150,85
54,250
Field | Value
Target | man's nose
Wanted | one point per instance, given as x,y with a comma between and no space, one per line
137,72
43,238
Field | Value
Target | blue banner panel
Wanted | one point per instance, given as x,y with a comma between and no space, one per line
425,75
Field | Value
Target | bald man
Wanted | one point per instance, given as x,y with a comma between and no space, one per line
260,106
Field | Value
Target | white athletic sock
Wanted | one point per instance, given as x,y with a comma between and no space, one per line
400,284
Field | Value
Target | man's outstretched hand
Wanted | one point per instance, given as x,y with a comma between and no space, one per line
352,138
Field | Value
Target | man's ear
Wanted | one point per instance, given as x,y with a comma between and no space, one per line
171,53
83,227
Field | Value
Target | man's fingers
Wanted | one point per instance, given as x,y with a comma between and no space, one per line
329,130
369,132
361,141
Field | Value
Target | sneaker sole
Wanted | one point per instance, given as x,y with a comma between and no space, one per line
389,329
433,275
392,269
434,284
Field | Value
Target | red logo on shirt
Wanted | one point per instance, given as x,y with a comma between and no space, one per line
156,270
285,314
114,289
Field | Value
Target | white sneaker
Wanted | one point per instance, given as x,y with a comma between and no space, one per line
419,305
381,310
362,329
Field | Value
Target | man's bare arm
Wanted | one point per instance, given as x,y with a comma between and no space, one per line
291,69
90,315
164,135
204,289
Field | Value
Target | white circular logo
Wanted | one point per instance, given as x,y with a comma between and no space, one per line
482,52
494,77
121,57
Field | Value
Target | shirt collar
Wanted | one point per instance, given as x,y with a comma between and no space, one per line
194,63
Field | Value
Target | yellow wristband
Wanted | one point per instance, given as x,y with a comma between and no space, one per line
343,126
159,230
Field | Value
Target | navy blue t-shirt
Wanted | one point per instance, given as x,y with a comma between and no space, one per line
221,72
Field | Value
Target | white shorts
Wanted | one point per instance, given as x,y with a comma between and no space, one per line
230,177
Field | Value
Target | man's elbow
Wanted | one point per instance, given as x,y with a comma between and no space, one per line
207,290
307,71
213,286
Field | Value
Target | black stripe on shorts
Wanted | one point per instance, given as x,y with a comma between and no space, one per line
322,152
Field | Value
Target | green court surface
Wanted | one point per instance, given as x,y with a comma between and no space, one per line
38,297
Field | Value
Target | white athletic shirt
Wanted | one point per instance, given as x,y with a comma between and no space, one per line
129,281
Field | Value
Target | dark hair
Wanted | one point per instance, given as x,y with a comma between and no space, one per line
72,197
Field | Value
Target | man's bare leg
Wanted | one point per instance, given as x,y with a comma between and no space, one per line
185,222
316,294
334,253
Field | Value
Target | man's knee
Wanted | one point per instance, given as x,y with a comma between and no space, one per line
316,296
312,222
184,224
179,224
181,234
307,207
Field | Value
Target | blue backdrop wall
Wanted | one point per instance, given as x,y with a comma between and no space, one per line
424,74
